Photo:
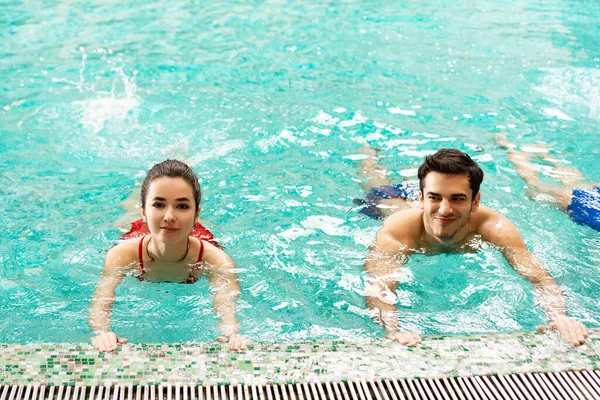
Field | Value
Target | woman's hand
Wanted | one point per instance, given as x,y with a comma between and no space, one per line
570,329
107,341
405,338
236,341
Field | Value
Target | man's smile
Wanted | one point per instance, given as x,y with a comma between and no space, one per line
445,220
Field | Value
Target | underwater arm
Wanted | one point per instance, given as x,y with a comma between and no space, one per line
103,300
548,294
383,262
223,278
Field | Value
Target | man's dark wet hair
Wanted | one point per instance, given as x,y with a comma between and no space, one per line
452,161
172,169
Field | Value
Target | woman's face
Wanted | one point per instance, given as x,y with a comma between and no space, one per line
169,210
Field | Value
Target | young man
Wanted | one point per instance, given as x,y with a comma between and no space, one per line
449,218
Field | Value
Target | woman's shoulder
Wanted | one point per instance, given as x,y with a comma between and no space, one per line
213,254
123,254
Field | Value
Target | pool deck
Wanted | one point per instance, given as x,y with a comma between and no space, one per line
293,362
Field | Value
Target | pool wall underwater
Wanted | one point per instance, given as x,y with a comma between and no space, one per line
523,364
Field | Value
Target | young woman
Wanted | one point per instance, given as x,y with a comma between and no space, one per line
168,245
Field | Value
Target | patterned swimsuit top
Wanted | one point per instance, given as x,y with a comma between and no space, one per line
190,279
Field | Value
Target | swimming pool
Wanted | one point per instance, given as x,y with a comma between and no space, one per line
269,103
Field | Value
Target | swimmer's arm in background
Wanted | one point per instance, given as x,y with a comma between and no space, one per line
382,266
226,290
115,267
504,234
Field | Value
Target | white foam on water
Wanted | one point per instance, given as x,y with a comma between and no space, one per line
280,306
352,283
399,142
97,112
109,107
293,203
306,191
322,131
284,137
571,86
408,172
295,232
356,157
483,158
225,147
531,149
398,111
329,225
253,197
414,153
551,112
357,119
8,284
365,236
375,136
325,119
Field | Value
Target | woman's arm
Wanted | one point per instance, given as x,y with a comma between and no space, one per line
113,272
223,278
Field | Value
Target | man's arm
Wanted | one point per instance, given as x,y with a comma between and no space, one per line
382,266
505,235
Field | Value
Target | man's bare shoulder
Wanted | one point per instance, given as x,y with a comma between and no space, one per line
485,216
492,225
405,226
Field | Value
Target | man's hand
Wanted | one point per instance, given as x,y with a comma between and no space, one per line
405,338
107,341
569,328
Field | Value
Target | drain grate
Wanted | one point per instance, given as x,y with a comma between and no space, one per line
580,385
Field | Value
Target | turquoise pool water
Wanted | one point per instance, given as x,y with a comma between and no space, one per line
269,103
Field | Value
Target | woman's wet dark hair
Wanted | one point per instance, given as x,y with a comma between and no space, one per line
452,161
172,169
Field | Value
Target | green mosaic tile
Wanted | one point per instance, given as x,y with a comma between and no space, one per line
337,360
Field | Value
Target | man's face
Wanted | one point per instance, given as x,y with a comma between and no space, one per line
447,204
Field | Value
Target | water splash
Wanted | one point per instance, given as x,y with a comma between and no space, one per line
111,106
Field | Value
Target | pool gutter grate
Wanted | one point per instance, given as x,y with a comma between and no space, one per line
579,385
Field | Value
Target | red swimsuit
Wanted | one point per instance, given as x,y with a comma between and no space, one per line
190,279
140,229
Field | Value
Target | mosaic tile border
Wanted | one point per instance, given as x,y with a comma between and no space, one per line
294,362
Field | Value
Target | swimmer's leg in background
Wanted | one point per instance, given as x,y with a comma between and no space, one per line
371,173
569,176
374,175
131,206
521,160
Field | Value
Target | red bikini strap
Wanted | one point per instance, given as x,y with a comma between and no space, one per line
201,250
141,253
